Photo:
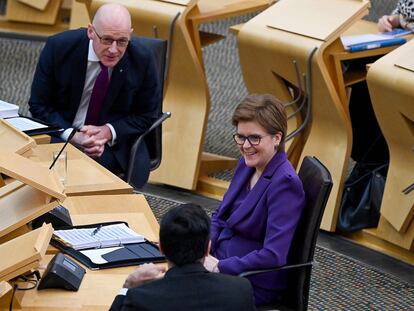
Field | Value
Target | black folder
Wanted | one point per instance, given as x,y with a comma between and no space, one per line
129,255
48,129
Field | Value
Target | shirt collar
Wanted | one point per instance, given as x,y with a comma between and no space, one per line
92,57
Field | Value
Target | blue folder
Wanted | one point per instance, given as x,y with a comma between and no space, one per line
376,44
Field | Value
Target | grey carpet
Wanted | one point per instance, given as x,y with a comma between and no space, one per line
338,282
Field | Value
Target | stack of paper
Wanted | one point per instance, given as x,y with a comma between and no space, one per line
370,41
8,110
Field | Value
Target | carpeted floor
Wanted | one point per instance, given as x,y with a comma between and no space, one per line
338,282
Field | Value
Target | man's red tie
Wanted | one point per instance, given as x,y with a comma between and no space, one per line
97,97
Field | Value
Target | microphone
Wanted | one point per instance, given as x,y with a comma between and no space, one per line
64,146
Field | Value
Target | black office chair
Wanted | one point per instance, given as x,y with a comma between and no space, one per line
136,175
317,183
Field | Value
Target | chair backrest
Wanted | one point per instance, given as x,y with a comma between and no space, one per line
153,139
317,184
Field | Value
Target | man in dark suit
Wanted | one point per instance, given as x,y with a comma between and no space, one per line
187,285
101,81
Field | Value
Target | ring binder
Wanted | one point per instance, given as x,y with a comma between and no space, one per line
127,255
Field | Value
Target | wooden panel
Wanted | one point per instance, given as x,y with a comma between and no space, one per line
392,98
116,207
388,233
20,12
79,16
211,10
19,204
42,139
13,140
37,4
327,17
22,251
32,174
6,295
85,175
406,61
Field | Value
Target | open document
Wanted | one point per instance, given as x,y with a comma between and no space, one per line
99,237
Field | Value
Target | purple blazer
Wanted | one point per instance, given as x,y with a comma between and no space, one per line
258,233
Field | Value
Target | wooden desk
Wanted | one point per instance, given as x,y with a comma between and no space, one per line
85,176
344,79
98,288
208,11
42,139
391,83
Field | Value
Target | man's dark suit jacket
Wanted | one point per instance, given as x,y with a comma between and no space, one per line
190,287
130,104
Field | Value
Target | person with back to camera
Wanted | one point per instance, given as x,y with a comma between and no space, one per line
187,285
255,223
402,16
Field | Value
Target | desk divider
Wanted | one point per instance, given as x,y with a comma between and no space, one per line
390,83
315,19
24,252
14,140
35,191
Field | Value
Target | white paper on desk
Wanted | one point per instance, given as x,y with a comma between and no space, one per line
95,255
366,38
8,110
25,124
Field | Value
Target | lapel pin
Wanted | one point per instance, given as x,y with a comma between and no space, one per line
120,70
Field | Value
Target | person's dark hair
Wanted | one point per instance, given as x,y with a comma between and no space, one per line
266,110
185,234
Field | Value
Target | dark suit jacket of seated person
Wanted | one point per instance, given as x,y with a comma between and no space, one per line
254,225
187,285
65,76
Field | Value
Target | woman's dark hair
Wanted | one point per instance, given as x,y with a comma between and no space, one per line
185,234
266,110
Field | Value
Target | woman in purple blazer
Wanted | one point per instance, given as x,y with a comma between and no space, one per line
254,225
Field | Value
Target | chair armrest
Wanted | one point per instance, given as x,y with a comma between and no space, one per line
134,147
285,267
157,122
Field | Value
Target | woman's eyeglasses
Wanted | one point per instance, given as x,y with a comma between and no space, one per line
254,140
